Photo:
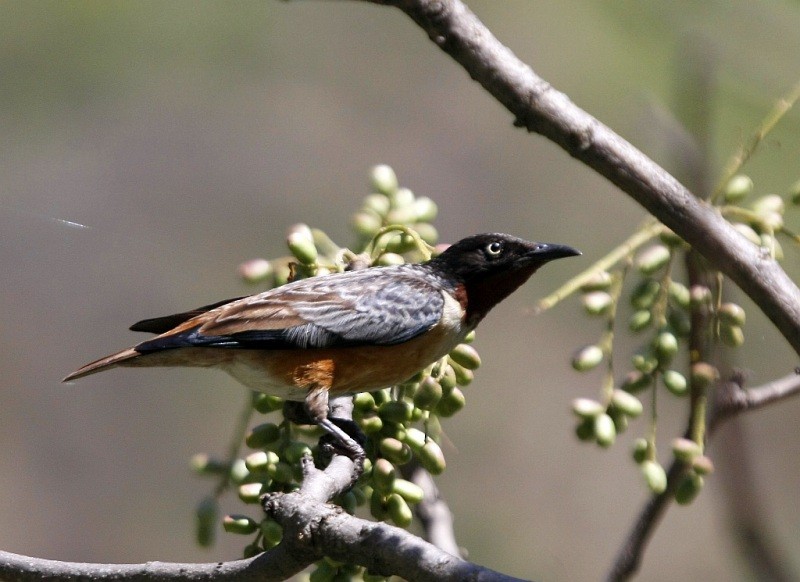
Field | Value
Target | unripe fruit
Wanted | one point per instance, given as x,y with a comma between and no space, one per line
738,188
394,450
428,394
732,314
688,488
597,302
652,259
679,294
635,381
703,374
731,335
587,408
654,476
206,517
702,465
239,524
409,491
640,448
676,383
432,458
645,293
769,203
685,449
425,209
272,532
626,403
264,403
383,179
604,430
383,475
700,295
600,281
250,492
302,248
398,510
377,203
466,356
395,411
640,320
451,403
261,435
587,358
666,346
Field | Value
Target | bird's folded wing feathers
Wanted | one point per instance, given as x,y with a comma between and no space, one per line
351,309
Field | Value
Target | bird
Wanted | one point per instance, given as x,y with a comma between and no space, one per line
342,333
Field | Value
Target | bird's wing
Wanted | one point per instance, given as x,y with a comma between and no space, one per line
348,309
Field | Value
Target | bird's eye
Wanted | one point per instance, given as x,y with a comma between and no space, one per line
493,249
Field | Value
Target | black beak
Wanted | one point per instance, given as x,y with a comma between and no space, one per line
545,252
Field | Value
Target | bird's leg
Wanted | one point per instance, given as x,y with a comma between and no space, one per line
316,405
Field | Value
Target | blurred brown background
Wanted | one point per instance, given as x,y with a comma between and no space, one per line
186,136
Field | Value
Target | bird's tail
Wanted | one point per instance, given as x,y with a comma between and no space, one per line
103,364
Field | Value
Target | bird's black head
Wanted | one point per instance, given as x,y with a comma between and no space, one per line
489,267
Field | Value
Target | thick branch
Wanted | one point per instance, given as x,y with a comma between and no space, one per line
538,107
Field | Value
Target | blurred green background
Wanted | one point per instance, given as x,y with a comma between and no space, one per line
186,136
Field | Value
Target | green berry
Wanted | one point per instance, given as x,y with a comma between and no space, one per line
626,403
640,320
239,524
432,458
685,449
206,518
587,358
451,403
250,492
676,383
597,302
587,408
272,532
731,335
464,377
397,411
428,394
383,475
262,435
732,314
409,491
702,465
700,295
600,281
738,188
653,259
604,430
636,381
398,510
302,248
688,488
466,356
654,476
769,203
396,451
425,209
703,374
383,179
640,449
645,293
264,403
585,430
679,294
377,203
666,346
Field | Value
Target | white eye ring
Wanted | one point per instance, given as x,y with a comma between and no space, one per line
494,248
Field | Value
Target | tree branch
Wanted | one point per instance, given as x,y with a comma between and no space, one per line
540,108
